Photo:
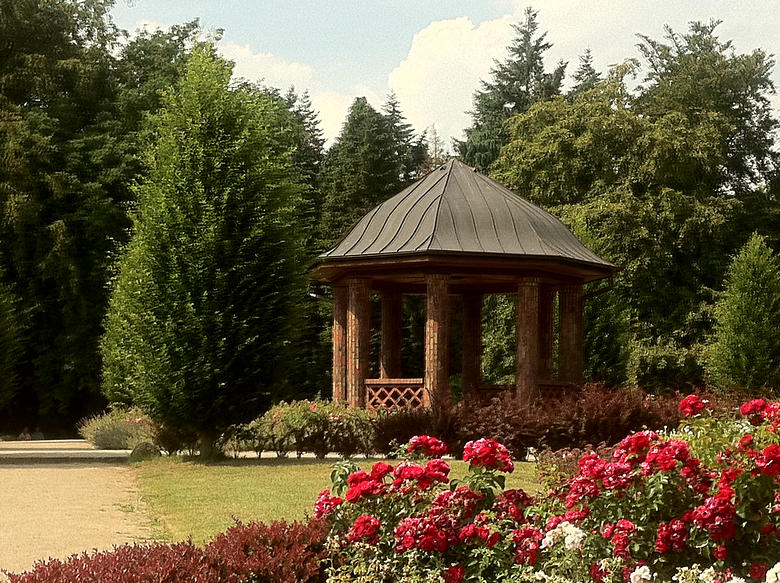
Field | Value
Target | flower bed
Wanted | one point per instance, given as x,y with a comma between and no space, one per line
699,503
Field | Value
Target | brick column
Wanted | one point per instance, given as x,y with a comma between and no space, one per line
572,334
358,338
546,331
437,389
390,362
340,343
527,376
472,342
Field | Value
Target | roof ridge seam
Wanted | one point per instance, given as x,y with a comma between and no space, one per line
413,188
438,206
373,212
492,216
422,216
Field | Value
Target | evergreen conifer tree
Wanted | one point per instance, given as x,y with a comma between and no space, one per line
515,85
746,349
360,170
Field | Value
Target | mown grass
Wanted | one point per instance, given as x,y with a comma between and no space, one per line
192,499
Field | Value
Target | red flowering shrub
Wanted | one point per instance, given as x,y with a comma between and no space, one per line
691,405
656,506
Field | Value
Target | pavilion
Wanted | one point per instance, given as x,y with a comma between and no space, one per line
456,232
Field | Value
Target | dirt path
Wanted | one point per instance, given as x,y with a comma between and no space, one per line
60,509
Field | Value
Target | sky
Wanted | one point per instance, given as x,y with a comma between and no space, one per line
432,53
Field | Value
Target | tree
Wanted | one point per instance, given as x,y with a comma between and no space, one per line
11,338
586,76
409,149
647,175
745,353
202,310
515,85
62,188
697,73
360,170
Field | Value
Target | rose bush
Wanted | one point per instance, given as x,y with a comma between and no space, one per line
701,502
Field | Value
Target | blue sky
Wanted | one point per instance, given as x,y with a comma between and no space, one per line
431,53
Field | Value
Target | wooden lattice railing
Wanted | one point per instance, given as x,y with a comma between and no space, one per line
395,393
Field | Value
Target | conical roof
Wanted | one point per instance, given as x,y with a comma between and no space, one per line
455,210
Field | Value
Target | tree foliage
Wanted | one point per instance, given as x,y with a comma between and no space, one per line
11,339
662,178
203,309
515,84
745,353
361,170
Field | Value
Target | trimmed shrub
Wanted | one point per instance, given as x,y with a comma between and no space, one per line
118,428
279,552
319,427
258,553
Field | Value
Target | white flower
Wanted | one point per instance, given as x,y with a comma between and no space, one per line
641,574
709,575
736,580
773,575
571,535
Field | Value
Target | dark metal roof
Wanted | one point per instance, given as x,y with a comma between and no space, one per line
456,210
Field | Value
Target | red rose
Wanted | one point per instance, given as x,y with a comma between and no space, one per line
326,503
428,446
691,405
768,461
454,574
365,529
489,454
720,552
758,571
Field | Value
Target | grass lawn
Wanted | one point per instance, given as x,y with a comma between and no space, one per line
200,500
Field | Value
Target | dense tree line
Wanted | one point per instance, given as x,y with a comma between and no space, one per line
149,199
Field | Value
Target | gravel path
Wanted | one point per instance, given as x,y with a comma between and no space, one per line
55,510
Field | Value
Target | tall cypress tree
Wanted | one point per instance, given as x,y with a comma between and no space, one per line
203,307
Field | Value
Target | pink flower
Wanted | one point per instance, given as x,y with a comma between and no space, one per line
326,503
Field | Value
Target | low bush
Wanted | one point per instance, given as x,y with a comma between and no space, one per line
701,502
319,427
593,415
277,553
118,428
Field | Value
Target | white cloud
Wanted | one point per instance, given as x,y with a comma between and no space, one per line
267,67
435,83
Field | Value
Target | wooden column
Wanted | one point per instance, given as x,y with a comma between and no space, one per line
472,342
546,331
437,389
358,339
340,343
572,334
527,376
390,363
